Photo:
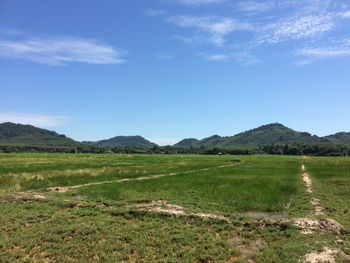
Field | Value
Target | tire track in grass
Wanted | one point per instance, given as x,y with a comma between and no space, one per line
308,225
319,210
63,189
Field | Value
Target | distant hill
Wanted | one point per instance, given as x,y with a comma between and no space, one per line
274,133
122,141
186,142
28,135
339,138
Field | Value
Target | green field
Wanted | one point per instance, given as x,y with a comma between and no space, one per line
174,208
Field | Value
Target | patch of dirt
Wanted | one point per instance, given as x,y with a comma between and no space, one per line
319,210
211,216
164,207
27,196
309,225
58,189
306,179
160,206
247,249
327,255
316,203
67,188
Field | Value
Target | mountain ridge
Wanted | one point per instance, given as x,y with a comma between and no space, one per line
122,141
29,135
273,133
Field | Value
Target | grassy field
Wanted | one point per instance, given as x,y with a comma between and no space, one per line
174,208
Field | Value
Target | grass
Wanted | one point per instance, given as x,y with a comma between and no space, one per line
256,184
97,223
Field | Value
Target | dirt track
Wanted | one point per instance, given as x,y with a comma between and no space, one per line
62,189
308,225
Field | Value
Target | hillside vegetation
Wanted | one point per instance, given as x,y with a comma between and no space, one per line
28,135
275,133
122,141
340,138
268,139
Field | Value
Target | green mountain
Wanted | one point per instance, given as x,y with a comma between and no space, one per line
340,138
186,142
274,133
122,141
27,135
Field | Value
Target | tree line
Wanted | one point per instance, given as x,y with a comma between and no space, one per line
275,149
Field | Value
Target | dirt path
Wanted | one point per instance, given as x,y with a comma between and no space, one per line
64,189
308,225
306,179
163,207
319,210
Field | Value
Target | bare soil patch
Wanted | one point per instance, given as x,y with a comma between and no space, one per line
306,179
164,207
326,255
315,202
309,225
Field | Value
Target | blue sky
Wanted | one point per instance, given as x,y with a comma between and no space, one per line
170,69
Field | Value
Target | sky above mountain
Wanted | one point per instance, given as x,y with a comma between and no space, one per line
169,69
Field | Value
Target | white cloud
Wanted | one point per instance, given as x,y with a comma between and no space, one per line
215,57
61,50
244,57
296,28
216,28
346,14
40,120
254,6
308,55
341,49
324,52
315,6
199,2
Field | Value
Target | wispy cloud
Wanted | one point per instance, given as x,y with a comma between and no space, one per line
296,28
61,50
291,22
215,57
216,28
314,6
341,49
243,58
255,7
199,2
346,14
40,120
